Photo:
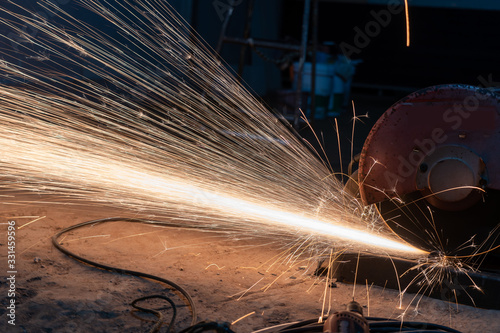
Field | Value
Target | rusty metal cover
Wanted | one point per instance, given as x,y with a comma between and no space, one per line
413,128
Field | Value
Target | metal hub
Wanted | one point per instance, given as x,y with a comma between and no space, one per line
450,180
451,177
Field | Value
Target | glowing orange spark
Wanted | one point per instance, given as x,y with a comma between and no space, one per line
407,17
175,135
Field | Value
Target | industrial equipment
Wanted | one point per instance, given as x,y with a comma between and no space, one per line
431,164
353,321
348,321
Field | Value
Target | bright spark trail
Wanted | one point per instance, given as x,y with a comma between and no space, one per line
162,128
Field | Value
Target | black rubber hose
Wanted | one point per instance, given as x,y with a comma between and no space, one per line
172,284
377,325
417,326
158,314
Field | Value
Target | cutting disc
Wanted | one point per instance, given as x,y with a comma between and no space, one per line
432,165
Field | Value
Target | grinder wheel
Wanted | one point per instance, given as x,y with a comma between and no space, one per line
431,164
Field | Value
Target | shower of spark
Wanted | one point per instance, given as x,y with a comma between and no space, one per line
147,118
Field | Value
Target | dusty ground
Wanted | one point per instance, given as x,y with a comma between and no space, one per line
225,277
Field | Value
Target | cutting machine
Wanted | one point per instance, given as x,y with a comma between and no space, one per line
431,164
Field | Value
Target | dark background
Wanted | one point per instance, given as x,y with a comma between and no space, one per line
447,45
452,41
